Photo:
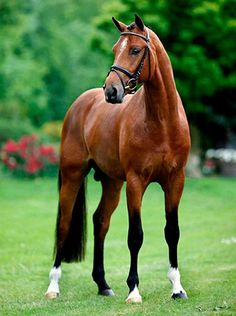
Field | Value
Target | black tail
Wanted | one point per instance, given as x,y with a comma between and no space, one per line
74,246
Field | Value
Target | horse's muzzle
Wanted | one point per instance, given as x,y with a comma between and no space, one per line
113,94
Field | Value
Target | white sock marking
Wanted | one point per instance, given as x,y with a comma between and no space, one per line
174,277
54,277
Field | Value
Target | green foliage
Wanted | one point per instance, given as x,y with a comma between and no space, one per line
46,60
21,85
52,129
14,129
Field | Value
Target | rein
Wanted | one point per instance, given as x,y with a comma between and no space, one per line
131,84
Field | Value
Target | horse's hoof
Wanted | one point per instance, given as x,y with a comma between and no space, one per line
51,295
137,299
181,295
134,296
106,292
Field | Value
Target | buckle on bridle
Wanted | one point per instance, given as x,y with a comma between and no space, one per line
131,86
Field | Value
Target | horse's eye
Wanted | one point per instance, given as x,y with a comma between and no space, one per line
135,51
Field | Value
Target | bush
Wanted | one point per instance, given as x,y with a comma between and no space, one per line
14,129
52,129
29,157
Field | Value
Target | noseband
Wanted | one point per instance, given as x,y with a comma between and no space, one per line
131,84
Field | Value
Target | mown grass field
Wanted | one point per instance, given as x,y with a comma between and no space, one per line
207,253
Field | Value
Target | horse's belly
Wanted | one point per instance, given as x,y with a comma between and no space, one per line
111,167
105,155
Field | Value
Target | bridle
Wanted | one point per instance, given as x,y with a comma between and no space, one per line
131,84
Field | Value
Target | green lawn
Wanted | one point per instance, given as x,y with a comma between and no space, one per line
207,253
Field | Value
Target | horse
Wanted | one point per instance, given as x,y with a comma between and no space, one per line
138,137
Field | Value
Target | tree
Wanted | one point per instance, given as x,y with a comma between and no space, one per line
21,74
46,59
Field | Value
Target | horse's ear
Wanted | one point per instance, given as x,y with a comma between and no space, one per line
139,22
121,26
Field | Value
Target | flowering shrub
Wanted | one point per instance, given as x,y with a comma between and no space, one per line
29,157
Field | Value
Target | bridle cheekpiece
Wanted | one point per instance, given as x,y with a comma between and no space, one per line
131,84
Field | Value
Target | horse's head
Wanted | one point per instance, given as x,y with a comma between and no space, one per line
132,61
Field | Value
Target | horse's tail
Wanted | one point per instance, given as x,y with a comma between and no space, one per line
74,246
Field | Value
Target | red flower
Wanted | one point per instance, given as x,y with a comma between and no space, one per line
10,147
53,159
48,152
33,165
28,156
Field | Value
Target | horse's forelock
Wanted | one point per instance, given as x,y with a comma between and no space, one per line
131,26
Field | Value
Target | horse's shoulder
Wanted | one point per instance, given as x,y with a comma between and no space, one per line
90,96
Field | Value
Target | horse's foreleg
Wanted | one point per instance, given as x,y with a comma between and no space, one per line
101,219
134,192
67,246
173,192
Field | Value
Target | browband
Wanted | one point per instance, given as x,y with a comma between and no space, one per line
146,38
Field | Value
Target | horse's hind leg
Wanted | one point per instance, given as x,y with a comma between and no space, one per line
70,237
101,219
173,191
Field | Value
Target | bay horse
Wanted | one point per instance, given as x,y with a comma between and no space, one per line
138,138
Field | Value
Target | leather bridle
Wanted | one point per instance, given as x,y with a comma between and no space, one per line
131,84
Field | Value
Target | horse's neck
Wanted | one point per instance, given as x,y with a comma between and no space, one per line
161,96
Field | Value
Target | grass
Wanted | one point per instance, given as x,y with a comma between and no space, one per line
207,253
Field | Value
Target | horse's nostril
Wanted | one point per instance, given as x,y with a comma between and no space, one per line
111,94
114,93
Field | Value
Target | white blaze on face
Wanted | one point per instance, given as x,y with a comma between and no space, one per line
122,47
123,44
